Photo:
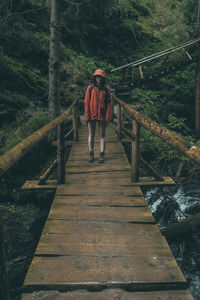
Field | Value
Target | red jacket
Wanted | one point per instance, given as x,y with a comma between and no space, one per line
96,107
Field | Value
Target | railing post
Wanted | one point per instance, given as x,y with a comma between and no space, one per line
60,154
118,121
135,152
75,121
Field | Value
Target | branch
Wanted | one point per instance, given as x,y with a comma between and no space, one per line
74,3
19,13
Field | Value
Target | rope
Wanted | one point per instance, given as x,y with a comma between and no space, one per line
159,54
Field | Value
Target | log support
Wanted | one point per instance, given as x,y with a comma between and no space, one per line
75,121
135,152
60,154
118,121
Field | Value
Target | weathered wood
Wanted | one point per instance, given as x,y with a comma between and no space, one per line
148,181
113,190
98,213
171,138
118,121
33,185
156,174
87,228
101,200
109,294
4,287
108,200
17,152
103,244
135,153
47,173
75,121
140,72
100,234
60,154
139,272
68,133
54,143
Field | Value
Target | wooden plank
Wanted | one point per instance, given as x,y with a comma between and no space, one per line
108,229
99,244
83,177
65,272
74,189
91,169
109,294
148,181
108,160
100,200
33,184
98,213
102,181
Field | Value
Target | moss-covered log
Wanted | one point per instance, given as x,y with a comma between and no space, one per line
17,152
182,229
170,137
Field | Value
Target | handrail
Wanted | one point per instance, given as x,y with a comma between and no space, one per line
11,157
170,137
158,54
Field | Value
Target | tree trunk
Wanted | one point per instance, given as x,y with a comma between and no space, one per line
197,83
183,228
4,290
54,59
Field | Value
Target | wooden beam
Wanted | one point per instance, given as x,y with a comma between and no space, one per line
17,152
60,154
47,173
176,141
135,152
33,185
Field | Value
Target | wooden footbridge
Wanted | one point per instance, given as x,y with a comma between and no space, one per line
100,240
100,236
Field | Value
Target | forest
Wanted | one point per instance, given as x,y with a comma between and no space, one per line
104,35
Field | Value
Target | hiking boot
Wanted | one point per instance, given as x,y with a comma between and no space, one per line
91,159
101,158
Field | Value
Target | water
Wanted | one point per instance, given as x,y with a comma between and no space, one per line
170,205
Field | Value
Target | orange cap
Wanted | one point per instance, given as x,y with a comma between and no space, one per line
99,72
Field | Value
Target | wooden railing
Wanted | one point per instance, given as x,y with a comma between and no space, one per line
17,152
176,141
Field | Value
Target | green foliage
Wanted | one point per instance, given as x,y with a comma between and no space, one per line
35,122
160,155
23,128
24,213
107,29
192,10
174,122
150,102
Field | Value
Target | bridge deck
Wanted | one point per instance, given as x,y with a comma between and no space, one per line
100,240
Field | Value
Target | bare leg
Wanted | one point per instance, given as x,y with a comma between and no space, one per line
102,135
91,134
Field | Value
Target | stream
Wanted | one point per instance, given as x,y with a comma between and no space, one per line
170,205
